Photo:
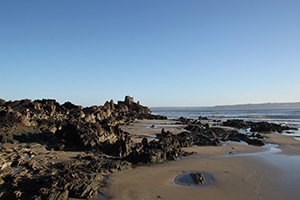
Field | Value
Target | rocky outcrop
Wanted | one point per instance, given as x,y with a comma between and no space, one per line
66,127
76,126
26,173
262,127
95,129
268,127
236,123
203,135
79,135
44,127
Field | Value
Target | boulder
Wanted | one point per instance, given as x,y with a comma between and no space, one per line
197,178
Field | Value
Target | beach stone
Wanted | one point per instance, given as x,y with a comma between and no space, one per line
198,178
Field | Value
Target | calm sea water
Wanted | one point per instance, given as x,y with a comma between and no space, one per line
290,116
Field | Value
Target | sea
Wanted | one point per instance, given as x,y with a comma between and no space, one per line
290,117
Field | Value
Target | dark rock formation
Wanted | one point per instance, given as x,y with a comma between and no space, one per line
236,123
268,127
184,120
203,135
96,129
262,127
168,147
65,127
77,127
78,178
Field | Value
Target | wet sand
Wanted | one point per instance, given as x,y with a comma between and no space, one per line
240,172
148,128
288,144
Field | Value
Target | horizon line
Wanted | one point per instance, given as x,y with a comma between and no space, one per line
225,105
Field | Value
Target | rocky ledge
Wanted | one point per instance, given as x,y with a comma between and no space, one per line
43,144
54,151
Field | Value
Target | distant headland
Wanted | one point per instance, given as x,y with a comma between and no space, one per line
259,106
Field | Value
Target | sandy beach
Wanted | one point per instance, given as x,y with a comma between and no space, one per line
240,171
150,100
121,151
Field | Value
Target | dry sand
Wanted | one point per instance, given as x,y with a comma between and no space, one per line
236,177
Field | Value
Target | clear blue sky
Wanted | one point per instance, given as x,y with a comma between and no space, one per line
162,52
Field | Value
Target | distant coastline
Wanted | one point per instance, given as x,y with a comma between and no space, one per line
261,106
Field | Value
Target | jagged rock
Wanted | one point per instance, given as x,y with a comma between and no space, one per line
111,105
70,127
25,119
236,123
47,122
129,100
67,127
120,148
267,127
77,178
263,127
166,148
203,136
81,135
70,106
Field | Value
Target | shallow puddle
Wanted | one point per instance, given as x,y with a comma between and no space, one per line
192,179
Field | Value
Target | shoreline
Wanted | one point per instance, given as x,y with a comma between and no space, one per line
242,174
68,151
